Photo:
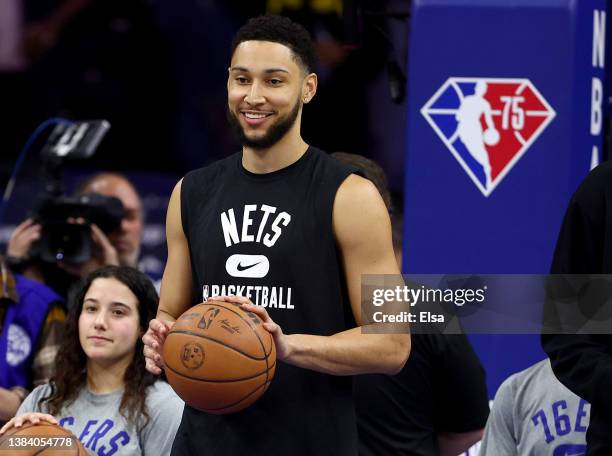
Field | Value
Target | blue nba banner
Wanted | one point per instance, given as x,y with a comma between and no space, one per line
505,119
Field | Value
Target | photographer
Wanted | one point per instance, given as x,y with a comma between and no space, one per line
120,247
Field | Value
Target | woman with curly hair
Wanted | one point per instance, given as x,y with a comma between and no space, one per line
101,390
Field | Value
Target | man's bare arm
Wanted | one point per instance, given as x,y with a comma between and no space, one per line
176,287
363,232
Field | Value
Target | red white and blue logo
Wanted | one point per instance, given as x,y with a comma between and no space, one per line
488,124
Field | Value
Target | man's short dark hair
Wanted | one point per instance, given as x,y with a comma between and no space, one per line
282,30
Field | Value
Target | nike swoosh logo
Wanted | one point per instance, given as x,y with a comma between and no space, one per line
241,268
251,266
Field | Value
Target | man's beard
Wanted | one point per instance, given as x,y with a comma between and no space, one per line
274,134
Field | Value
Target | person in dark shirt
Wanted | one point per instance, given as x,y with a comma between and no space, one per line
583,362
438,403
121,247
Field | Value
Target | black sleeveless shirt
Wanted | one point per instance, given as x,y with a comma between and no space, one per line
269,237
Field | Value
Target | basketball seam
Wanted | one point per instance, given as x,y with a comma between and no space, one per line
214,303
224,380
191,333
239,401
263,348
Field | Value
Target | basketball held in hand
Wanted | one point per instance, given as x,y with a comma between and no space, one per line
219,358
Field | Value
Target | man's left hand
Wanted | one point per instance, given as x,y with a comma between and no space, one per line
281,340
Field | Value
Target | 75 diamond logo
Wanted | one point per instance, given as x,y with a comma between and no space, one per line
488,124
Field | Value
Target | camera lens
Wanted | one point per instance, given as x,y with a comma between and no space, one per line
67,242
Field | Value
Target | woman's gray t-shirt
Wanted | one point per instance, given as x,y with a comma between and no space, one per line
96,421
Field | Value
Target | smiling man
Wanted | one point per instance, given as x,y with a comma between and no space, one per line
286,231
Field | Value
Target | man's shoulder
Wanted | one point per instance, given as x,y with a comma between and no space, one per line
596,184
213,169
357,193
603,171
330,165
199,181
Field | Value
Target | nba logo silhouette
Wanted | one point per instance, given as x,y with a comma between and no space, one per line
488,124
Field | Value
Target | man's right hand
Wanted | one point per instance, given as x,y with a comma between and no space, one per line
153,341
22,238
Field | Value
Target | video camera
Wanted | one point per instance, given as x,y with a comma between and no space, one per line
65,220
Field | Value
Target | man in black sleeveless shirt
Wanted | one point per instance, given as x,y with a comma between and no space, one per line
285,231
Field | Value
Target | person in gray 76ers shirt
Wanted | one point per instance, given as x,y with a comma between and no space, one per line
100,390
533,414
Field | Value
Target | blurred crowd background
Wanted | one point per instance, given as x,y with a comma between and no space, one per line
156,70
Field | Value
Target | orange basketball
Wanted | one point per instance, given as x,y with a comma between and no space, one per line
219,358
40,439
